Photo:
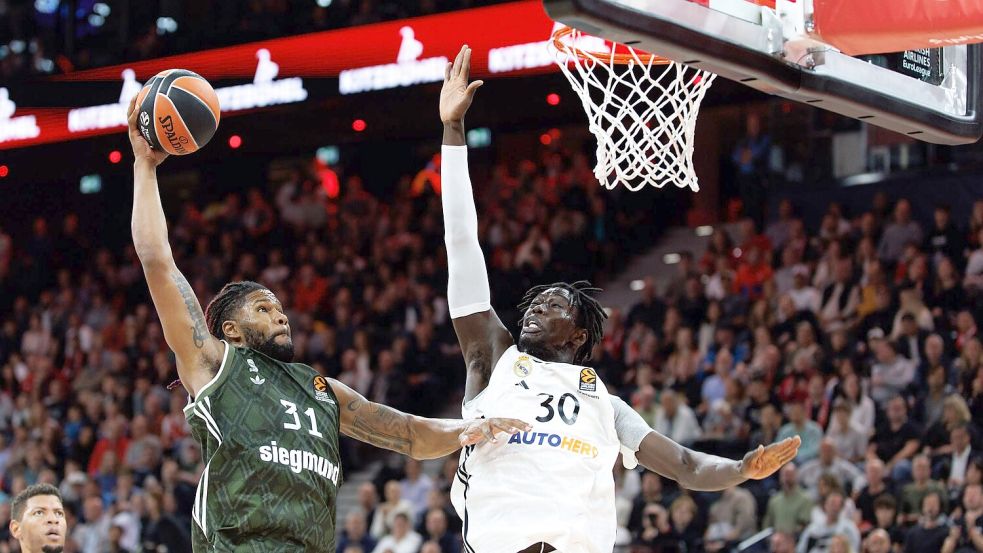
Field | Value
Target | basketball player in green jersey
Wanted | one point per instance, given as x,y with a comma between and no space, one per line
268,427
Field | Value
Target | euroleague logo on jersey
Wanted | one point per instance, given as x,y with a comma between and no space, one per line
588,380
321,390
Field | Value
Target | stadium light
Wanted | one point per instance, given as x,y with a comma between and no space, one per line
115,156
358,125
235,141
553,99
545,139
4,171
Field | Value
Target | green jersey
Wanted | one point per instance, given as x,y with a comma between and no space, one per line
269,436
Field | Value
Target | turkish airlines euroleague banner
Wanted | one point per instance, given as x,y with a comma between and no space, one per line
882,26
506,39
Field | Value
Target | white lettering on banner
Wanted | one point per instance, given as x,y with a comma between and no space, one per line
15,128
264,91
407,71
107,115
536,54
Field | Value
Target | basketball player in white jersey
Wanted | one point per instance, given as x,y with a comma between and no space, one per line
551,488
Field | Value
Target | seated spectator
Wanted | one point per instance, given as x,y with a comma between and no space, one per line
416,486
879,541
675,419
733,517
862,408
643,402
656,534
955,413
797,425
368,500
910,339
896,441
886,518
752,272
401,538
952,468
850,441
839,300
931,396
877,487
829,463
901,231
920,486
891,374
685,527
721,424
382,522
790,509
356,532
771,424
966,535
652,493
816,537
437,531
804,296
931,531
781,542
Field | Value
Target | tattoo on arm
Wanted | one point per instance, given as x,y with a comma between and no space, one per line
380,426
199,329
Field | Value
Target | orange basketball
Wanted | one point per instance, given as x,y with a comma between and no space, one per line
178,112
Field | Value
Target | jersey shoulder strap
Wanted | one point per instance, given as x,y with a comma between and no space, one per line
224,369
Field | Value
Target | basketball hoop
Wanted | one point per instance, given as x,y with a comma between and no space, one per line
641,107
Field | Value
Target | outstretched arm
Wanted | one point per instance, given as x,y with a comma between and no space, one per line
692,469
198,352
418,437
482,335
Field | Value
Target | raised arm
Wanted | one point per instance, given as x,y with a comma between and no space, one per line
198,352
482,335
418,437
691,469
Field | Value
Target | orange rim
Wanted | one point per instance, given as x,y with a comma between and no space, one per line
614,57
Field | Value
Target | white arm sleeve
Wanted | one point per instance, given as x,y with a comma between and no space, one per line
467,284
631,429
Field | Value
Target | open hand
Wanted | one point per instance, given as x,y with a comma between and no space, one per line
141,148
765,461
457,93
482,430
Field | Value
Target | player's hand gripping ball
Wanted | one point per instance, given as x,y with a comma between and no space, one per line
178,112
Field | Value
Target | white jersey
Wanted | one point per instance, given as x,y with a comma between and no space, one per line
553,484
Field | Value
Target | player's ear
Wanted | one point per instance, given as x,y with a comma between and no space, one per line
231,331
14,527
579,338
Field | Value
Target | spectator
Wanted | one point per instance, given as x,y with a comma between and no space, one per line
930,400
966,535
944,238
401,538
895,442
862,407
921,485
781,542
900,232
676,420
877,487
788,510
804,296
816,537
879,541
891,374
839,301
356,532
683,519
385,516
733,517
368,500
780,230
437,531
416,487
886,518
931,531
911,338
955,413
93,532
798,425
850,440
652,493
829,463
953,466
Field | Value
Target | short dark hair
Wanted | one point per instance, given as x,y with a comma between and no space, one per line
886,501
590,314
19,504
229,300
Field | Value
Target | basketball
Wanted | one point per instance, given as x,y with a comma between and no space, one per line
178,112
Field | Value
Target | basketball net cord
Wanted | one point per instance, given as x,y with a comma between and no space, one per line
641,108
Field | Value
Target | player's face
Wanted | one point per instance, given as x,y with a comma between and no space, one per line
264,326
43,526
549,326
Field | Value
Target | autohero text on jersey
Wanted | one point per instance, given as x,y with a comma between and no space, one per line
547,439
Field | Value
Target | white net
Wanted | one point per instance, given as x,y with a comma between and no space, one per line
642,110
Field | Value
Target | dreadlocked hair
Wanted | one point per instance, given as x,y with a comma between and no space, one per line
590,314
229,300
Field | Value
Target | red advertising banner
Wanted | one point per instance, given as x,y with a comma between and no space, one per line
506,39
883,26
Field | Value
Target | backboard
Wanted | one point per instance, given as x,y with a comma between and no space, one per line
932,95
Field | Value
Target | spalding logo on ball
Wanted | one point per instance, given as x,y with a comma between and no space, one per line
179,112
